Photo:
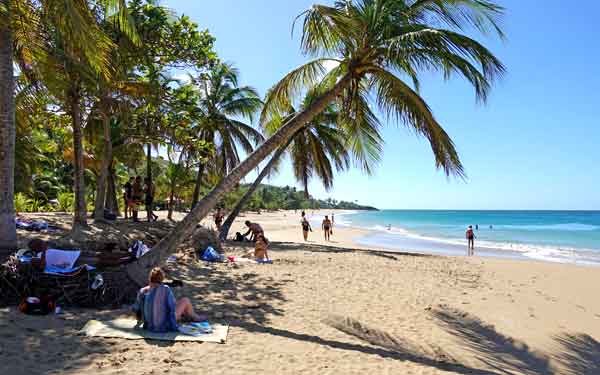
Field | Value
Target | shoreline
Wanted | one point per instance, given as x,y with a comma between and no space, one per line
402,240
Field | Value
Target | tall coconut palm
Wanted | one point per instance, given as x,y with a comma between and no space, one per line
8,233
315,149
225,104
374,43
71,27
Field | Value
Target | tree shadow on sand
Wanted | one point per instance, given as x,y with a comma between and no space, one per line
320,248
380,344
246,295
49,344
577,354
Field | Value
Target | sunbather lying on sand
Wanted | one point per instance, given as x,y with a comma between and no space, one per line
157,308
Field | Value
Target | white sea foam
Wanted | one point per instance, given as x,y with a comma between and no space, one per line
533,251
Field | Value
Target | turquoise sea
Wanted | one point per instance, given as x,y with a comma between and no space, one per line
559,236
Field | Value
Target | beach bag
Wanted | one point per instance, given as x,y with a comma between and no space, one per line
211,255
37,306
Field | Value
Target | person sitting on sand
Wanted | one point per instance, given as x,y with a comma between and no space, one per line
157,308
305,228
326,225
253,228
260,249
240,237
38,247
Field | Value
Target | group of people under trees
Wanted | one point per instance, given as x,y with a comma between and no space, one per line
135,193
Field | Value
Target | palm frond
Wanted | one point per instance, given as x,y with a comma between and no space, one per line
483,15
280,97
401,103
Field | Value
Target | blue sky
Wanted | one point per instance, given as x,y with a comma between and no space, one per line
533,146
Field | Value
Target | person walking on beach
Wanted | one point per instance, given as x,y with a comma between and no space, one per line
305,228
326,225
149,189
470,241
127,196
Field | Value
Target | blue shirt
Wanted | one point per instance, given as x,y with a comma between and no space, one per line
157,307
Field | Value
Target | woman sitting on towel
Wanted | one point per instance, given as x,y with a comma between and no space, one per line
157,308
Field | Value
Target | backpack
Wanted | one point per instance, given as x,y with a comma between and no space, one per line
211,255
37,306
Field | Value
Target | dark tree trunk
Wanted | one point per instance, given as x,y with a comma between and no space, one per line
138,271
198,186
149,161
171,194
112,201
240,205
79,218
8,232
100,203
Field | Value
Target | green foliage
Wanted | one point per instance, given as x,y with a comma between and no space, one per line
269,197
66,201
21,202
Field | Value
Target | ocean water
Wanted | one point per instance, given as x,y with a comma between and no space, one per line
558,236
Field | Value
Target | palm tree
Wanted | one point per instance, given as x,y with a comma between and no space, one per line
8,232
374,43
224,102
58,42
315,149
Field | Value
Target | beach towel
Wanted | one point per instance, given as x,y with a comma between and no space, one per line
126,328
248,260
62,262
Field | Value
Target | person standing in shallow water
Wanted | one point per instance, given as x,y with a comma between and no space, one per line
470,241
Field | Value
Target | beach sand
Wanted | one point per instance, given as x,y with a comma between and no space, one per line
338,308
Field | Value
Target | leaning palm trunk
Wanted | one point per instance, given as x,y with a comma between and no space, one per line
238,208
100,203
138,271
8,233
79,218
